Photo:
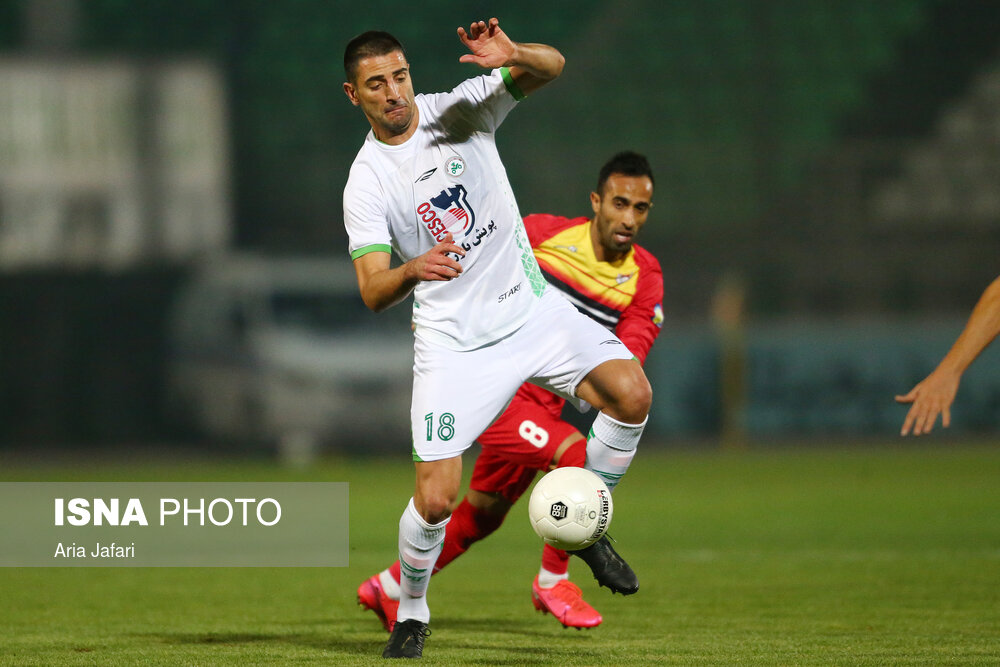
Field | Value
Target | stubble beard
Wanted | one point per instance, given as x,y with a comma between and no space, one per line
398,126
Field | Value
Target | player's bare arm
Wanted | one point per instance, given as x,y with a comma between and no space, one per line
382,287
934,395
531,65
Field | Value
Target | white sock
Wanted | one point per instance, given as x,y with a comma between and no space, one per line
389,584
419,547
611,446
547,579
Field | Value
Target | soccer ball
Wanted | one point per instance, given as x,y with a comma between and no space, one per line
570,508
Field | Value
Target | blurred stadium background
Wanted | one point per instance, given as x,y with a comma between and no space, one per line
827,206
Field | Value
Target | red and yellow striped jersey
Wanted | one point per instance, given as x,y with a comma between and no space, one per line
625,296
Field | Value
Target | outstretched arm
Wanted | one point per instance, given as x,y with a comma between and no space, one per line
531,65
382,287
935,393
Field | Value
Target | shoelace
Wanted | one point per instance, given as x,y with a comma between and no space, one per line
418,634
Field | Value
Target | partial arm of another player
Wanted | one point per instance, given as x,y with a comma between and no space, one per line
935,393
530,65
642,321
382,287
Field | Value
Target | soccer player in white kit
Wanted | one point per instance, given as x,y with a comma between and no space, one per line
428,184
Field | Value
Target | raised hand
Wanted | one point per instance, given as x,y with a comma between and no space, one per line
489,45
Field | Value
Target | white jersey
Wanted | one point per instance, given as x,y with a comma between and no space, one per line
448,177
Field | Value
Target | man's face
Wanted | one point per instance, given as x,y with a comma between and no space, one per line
620,211
383,90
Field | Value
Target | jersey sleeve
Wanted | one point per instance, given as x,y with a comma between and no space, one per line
365,217
543,226
492,96
642,320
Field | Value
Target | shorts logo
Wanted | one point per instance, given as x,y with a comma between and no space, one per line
455,166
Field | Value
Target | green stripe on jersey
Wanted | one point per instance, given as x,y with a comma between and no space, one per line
378,247
511,85
528,261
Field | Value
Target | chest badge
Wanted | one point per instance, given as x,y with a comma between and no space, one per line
455,166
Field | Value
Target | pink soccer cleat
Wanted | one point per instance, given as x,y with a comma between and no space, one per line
565,602
372,596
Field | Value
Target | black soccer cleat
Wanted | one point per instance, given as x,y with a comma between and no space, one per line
608,567
406,640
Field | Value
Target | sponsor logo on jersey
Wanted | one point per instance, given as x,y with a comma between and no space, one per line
448,211
457,213
455,166
658,315
509,293
623,278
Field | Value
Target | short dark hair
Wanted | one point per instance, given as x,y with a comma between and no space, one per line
366,45
627,163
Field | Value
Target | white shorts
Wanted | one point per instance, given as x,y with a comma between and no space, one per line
457,395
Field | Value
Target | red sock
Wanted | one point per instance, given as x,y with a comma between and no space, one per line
555,560
466,527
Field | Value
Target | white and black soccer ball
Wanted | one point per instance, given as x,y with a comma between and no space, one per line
570,508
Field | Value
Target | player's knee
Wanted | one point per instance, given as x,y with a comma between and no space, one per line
493,504
633,401
438,484
435,507
643,396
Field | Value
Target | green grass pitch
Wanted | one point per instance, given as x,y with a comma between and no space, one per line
863,555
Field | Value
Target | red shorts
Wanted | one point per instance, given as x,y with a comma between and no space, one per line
520,443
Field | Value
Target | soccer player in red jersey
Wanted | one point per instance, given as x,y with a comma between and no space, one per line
596,264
